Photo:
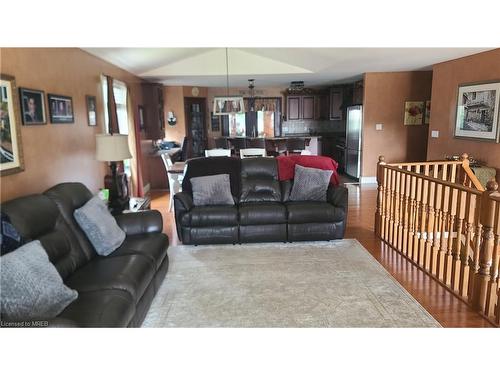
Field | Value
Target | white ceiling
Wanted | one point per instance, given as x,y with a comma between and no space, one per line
271,66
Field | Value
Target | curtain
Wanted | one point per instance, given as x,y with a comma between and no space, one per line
112,115
134,144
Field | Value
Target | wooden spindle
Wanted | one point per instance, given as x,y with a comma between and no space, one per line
492,294
457,242
380,195
487,219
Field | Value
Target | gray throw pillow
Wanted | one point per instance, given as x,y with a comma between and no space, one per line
99,226
212,190
30,286
310,184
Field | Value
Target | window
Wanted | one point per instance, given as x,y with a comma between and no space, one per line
120,93
265,123
237,124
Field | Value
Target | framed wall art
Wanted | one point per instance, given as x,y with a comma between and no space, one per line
477,111
91,110
11,151
32,106
414,113
61,109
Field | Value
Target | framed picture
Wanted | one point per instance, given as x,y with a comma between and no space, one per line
477,111
61,109
427,117
224,105
215,122
11,151
91,110
32,106
414,113
141,117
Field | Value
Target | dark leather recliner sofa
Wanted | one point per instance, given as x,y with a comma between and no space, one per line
262,211
114,291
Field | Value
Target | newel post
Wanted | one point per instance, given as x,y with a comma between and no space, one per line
462,176
487,219
380,195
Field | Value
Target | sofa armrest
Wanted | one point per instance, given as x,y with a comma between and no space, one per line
183,202
140,222
337,196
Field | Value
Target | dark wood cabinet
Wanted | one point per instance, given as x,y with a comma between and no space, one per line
336,103
154,115
308,107
293,108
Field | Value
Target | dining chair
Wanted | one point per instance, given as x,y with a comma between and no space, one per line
252,152
217,152
295,145
174,178
221,143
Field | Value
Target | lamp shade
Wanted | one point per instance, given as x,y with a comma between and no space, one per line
112,147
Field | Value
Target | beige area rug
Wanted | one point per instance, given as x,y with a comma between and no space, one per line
302,284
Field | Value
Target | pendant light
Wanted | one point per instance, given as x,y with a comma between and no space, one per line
224,105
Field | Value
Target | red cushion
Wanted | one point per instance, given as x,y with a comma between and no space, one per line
286,166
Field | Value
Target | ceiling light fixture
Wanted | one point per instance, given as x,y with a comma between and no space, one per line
224,105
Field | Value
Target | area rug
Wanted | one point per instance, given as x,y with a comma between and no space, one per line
302,284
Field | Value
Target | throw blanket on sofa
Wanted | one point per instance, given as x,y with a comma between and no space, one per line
286,166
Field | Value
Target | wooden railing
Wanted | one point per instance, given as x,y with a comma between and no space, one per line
433,213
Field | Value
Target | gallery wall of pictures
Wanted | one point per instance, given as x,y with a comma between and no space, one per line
29,109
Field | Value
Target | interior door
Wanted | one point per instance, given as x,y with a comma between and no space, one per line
195,126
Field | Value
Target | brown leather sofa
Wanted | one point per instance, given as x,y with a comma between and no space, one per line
114,291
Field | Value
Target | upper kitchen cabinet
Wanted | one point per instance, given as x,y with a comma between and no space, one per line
293,107
336,103
310,106
154,115
357,94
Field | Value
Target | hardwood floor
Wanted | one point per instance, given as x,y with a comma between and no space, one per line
447,309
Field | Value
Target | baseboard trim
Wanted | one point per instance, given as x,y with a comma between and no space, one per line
368,180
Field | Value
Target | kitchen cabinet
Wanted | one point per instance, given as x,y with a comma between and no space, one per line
336,103
307,107
294,107
154,115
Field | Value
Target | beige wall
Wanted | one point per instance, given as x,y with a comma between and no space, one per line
55,153
447,77
384,100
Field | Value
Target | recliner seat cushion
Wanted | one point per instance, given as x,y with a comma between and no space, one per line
101,308
262,213
313,212
207,216
149,245
131,273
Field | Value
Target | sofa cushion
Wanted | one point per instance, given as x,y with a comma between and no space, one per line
99,226
262,213
211,190
31,287
101,308
150,245
208,216
259,180
313,212
131,273
211,166
310,184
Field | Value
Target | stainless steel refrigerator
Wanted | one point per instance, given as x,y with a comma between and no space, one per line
354,128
